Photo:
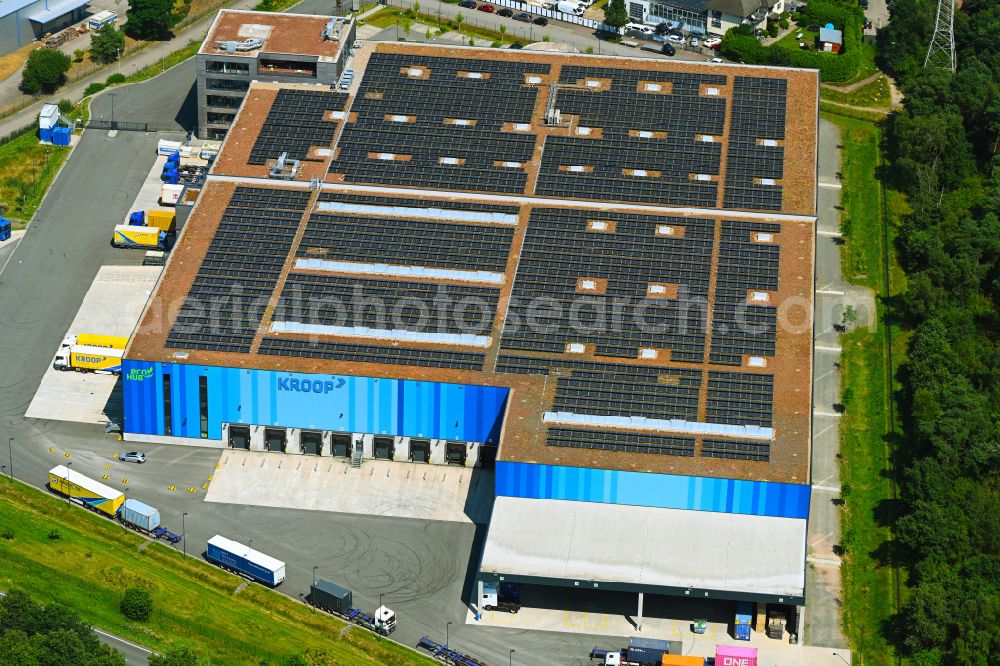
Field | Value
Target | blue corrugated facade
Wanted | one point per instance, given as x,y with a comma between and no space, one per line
667,491
294,400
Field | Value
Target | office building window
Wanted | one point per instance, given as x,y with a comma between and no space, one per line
167,409
203,405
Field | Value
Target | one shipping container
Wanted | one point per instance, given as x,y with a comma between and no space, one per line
730,655
164,147
140,515
254,564
330,597
85,490
647,650
169,194
164,220
682,660
61,136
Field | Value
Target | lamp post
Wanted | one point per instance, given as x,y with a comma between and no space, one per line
69,488
380,599
314,573
10,451
447,624
510,659
112,96
184,536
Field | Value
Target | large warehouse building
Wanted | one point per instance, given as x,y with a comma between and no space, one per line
593,273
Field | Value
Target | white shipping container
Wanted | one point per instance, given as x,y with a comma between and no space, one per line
169,194
164,147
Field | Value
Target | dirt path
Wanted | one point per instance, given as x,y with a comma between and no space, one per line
853,86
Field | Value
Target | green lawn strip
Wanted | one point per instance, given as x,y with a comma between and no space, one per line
389,16
861,219
790,41
875,94
168,61
28,168
92,562
275,5
870,588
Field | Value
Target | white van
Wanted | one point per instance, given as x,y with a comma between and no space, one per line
570,7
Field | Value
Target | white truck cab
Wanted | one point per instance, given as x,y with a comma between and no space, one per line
385,619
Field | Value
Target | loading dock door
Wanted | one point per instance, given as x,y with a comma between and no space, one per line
455,453
487,456
341,446
384,447
274,439
312,442
420,450
239,437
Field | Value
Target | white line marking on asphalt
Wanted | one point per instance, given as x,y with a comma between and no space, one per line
836,186
122,640
829,489
823,432
829,349
823,560
819,413
831,234
829,292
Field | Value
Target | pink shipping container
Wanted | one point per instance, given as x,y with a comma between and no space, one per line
728,655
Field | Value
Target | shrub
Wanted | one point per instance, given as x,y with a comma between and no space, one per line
136,604
79,55
8,535
772,30
115,79
65,106
783,24
54,535
93,89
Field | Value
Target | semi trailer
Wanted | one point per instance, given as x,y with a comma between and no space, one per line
133,236
95,340
86,358
640,652
245,561
339,601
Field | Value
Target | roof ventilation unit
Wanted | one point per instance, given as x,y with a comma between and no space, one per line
284,168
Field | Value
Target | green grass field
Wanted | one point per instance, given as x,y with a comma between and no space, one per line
195,605
867,372
874,95
27,169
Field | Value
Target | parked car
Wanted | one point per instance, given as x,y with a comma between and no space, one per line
639,28
717,60
712,42
467,4
516,45
668,50
132,456
694,41
506,12
675,39
864,4
541,20
489,9
523,17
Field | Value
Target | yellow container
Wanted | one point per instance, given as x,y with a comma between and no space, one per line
164,220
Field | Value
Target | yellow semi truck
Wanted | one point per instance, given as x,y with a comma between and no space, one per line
85,490
84,358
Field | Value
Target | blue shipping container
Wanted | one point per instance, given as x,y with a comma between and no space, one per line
140,515
5,229
45,134
258,566
60,136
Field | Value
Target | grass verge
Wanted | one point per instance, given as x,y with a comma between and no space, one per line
28,169
93,560
389,16
873,95
868,363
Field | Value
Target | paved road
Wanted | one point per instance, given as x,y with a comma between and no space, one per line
135,655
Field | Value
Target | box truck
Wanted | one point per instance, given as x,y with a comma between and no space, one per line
83,358
85,491
149,238
246,561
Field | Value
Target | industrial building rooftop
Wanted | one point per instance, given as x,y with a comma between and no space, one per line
627,244
247,33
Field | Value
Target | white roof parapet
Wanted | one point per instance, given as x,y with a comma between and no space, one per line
463,339
484,277
406,211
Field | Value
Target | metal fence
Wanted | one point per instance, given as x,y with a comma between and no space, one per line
552,14
119,125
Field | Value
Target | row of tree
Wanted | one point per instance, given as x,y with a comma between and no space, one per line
943,151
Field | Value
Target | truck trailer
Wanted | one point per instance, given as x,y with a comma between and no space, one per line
246,561
95,340
640,652
140,516
744,620
132,236
84,358
338,601
85,491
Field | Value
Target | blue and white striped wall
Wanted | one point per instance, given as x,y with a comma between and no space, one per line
294,400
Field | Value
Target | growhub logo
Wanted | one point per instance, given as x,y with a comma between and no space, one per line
139,374
309,385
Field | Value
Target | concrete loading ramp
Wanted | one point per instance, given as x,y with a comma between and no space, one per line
112,306
377,488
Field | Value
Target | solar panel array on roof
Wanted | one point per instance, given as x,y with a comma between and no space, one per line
740,398
295,123
382,304
404,202
755,161
740,327
407,242
627,442
661,168
224,307
561,250
396,87
610,389
360,353
736,450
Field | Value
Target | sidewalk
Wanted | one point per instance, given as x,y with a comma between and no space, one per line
152,55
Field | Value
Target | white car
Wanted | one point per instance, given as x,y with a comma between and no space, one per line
676,39
694,41
132,456
639,27
712,42
717,60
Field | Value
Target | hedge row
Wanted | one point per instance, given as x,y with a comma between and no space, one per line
834,67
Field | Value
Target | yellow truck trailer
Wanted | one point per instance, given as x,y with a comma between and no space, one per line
95,340
164,220
149,238
85,490
102,360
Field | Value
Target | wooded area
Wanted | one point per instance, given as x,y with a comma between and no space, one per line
943,150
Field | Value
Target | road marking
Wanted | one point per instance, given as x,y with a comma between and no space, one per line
829,489
829,349
124,480
108,466
191,489
68,454
171,487
831,234
830,292
819,413
105,476
835,186
122,640
823,431
823,560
